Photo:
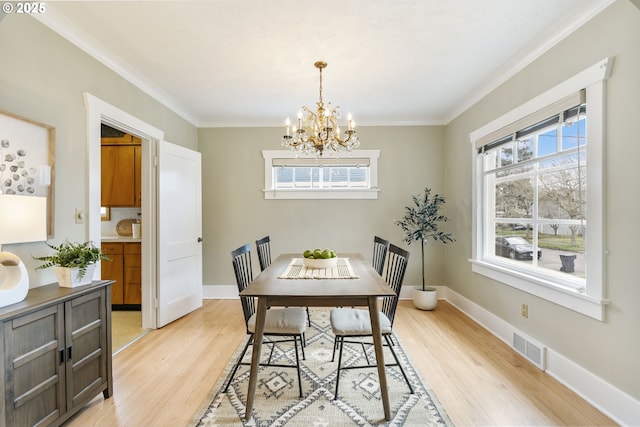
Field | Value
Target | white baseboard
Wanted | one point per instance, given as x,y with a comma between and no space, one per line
407,290
220,292
614,403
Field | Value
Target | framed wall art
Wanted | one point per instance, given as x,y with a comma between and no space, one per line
27,160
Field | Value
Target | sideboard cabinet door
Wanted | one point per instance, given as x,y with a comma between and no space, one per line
35,367
86,333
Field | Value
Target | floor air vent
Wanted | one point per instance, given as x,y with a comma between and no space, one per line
531,350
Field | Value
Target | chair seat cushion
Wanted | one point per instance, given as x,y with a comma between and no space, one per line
290,320
352,322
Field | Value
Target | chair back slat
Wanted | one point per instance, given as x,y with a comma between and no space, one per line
263,247
380,246
241,260
396,267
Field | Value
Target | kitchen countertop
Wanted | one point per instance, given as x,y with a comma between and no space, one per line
120,239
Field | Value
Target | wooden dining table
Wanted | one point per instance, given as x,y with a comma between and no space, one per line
363,290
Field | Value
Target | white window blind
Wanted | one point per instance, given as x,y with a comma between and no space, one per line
555,108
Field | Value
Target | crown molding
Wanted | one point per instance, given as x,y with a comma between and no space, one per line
85,42
564,26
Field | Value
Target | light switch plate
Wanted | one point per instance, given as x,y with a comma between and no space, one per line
79,216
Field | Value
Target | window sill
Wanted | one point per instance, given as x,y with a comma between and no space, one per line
322,193
573,300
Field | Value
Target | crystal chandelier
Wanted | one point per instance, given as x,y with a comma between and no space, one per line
318,131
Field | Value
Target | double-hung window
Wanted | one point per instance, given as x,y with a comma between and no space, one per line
538,222
351,177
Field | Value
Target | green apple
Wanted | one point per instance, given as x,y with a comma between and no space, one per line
308,253
333,253
317,254
326,254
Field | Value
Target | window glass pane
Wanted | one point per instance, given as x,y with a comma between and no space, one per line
513,244
563,248
525,149
574,135
506,155
302,176
284,176
339,177
514,199
358,177
547,142
562,194
314,174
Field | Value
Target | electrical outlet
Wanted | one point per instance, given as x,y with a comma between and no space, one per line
79,216
525,310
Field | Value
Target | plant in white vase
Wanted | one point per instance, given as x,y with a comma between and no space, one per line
72,262
420,223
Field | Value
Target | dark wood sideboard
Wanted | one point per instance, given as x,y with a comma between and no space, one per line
55,353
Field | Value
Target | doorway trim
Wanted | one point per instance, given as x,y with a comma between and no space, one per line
98,112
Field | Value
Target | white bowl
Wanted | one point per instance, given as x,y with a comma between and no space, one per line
320,263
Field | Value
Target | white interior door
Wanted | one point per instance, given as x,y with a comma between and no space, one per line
179,273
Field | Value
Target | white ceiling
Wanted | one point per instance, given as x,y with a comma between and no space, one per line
250,62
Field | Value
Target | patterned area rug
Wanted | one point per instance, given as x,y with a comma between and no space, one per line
277,403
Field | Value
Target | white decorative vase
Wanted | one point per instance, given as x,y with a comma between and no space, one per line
70,277
425,300
14,279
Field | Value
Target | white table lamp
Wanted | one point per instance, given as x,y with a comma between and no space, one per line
22,219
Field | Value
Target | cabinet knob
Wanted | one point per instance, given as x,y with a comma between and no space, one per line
199,239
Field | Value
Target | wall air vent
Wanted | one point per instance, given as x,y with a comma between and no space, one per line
530,349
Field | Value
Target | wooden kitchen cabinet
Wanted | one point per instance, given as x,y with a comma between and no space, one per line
114,270
125,268
121,167
132,273
55,354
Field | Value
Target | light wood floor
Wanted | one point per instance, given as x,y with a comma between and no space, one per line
161,379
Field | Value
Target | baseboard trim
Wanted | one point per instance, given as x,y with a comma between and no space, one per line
220,292
614,403
611,401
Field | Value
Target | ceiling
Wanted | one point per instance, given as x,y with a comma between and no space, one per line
250,62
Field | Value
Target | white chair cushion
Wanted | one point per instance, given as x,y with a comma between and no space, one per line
351,321
290,320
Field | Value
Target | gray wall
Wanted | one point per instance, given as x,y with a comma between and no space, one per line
609,349
42,78
235,210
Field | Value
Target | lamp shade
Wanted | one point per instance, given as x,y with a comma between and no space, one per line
22,219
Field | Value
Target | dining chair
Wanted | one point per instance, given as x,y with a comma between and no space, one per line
356,323
380,247
279,322
263,247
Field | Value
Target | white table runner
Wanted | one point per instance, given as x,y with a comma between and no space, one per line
297,270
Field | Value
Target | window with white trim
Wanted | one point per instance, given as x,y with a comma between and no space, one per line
538,189
351,177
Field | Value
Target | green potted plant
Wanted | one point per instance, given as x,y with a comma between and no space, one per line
73,263
420,223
